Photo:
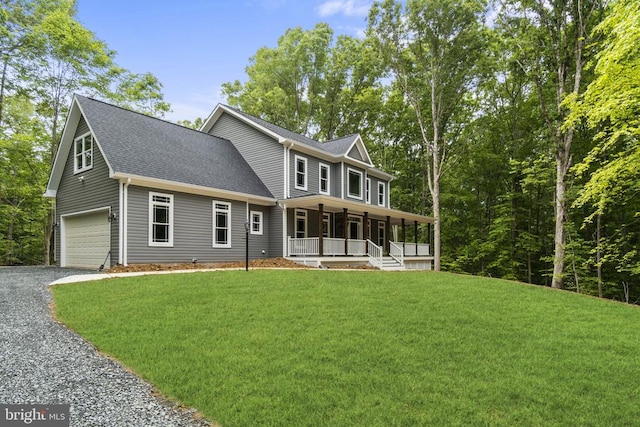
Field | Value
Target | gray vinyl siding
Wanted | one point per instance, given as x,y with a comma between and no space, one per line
374,191
354,153
97,190
264,154
313,175
274,232
336,180
193,230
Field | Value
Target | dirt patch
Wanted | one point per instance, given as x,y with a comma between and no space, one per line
258,263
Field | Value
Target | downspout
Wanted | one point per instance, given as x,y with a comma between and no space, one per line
285,245
121,224
125,222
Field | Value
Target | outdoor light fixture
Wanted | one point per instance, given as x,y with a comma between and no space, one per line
246,246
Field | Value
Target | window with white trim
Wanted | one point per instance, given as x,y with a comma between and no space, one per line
160,219
325,182
256,222
368,190
301,224
301,173
221,224
83,153
326,225
381,193
354,183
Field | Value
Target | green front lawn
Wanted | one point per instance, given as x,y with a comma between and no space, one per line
340,348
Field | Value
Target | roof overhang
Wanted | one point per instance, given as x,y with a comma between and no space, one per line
161,184
335,204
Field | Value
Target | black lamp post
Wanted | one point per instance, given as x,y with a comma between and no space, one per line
246,246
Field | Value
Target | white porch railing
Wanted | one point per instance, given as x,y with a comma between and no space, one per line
415,249
333,246
305,247
356,247
375,254
396,252
310,246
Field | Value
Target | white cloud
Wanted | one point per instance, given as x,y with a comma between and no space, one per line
345,7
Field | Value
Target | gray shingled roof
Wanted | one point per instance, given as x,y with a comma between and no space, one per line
141,145
340,145
337,146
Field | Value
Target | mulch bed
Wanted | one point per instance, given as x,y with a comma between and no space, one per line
258,263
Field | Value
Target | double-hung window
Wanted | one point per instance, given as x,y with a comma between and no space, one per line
354,183
160,219
301,173
221,224
83,153
381,193
324,179
256,222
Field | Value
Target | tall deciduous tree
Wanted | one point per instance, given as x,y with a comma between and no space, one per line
310,85
611,105
432,48
550,40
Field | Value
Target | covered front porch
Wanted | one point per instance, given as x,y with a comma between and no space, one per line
325,230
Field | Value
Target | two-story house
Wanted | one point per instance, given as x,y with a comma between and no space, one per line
132,189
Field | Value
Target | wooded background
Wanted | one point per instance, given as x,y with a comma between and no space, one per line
515,124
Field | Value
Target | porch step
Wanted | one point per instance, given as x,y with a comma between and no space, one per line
390,264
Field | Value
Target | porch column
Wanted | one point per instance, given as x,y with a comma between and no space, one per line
404,236
429,234
366,232
415,232
387,234
320,224
345,225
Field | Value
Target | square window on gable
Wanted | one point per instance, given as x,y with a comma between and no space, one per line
83,153
301,173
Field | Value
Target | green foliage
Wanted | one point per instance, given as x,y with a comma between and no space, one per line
310,85
46,56
298,348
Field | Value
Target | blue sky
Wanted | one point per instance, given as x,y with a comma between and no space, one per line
194,46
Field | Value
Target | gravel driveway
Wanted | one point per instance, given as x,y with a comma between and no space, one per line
42,362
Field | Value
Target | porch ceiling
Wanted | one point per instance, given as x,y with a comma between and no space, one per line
334,204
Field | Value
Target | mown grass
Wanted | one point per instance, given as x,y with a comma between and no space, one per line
337,348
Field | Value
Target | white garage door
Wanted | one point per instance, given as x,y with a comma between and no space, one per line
87,240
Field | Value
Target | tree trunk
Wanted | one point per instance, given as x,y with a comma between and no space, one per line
598,254
561,212
436,223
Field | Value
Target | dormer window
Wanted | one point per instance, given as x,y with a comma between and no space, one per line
301,173
83,153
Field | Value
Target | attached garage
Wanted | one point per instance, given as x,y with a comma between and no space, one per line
86,239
